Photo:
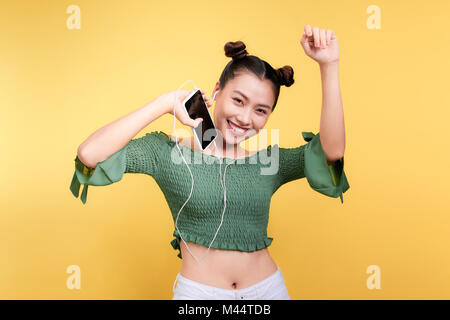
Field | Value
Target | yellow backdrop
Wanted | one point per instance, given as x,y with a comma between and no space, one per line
58,85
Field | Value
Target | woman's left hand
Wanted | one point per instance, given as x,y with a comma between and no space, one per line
320,44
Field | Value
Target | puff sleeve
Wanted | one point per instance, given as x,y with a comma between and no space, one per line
309,161
137,156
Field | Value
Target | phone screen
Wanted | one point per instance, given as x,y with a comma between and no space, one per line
196,108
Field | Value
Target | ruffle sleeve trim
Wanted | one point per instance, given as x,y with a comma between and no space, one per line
106,172
228,245
327,179
162,135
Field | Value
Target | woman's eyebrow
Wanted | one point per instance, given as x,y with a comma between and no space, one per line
262,105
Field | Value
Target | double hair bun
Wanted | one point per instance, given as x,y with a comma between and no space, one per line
236,50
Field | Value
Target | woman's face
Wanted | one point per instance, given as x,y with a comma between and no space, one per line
243,107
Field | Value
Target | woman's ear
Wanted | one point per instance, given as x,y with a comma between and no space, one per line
216,90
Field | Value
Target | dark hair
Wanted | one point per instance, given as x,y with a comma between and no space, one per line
242,61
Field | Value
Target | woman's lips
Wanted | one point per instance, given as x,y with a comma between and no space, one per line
236,125
234,131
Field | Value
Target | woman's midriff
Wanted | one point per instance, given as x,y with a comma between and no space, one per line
226,269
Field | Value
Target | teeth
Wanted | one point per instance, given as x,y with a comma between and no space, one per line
236,129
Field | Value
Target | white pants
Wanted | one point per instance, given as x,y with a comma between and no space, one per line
270,288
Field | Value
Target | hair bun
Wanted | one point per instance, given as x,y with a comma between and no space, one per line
286,76
235,50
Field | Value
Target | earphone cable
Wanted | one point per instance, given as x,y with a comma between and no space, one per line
192,179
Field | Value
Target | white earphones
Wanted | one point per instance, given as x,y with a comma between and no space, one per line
192,177
214,96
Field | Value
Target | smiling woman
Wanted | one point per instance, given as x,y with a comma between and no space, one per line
238,264
247,94
242,62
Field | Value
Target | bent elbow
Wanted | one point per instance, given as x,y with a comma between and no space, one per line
84,158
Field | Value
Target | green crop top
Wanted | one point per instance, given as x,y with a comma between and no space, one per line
250,184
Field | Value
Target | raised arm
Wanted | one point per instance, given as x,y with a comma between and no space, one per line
111,151
321,46
321,160
114,136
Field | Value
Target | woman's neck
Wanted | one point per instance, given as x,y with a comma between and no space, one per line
223,149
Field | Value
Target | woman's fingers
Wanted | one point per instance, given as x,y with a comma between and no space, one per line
206,98
187,121
207,101
323,38
305,39
308,30
329,32
196,122
304,36
316,35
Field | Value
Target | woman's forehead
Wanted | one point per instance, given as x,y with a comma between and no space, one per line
252,88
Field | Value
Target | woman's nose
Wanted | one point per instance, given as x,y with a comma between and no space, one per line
243,118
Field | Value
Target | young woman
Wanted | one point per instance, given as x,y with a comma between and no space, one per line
236,263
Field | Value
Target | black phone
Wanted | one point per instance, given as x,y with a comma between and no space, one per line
196,107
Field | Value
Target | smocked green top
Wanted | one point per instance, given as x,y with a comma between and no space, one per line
250,183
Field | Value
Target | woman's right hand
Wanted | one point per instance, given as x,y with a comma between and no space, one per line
180,111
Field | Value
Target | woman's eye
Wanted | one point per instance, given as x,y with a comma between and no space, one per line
263,111
236,99
259,110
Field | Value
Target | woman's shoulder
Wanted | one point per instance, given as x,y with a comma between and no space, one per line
186,141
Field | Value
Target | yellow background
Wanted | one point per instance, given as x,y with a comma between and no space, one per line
57,86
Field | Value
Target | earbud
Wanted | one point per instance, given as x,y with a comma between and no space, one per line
214,96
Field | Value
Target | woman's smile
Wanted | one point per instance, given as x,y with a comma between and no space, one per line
239,131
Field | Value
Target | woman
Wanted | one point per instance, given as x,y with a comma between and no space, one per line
237,263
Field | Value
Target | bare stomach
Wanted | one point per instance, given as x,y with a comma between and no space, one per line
226,269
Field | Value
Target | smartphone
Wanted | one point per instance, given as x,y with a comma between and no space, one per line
196,107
